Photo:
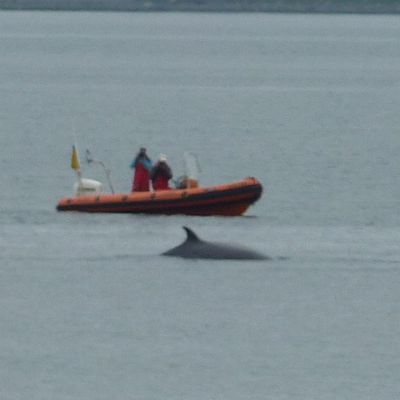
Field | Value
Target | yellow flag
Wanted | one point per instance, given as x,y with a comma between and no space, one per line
75,160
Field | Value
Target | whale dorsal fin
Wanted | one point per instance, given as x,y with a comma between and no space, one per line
191,236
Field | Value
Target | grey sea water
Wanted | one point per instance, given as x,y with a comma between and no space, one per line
309,104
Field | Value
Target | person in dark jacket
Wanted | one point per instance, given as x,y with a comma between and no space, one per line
142,166
161,174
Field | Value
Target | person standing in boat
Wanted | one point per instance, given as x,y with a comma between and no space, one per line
161,174
142,166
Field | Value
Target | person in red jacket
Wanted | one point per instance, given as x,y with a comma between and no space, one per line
161,174
142,166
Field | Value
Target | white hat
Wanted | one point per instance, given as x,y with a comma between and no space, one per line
162,158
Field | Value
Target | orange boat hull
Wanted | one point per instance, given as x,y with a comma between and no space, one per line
229,200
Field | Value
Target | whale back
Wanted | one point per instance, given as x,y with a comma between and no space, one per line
194,247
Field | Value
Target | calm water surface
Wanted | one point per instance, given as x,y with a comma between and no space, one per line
307,104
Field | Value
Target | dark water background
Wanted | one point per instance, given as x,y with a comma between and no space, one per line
307,104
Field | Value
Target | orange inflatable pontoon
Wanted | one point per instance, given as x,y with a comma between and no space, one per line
229,199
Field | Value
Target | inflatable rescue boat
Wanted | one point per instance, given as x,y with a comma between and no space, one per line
230,199
186,198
